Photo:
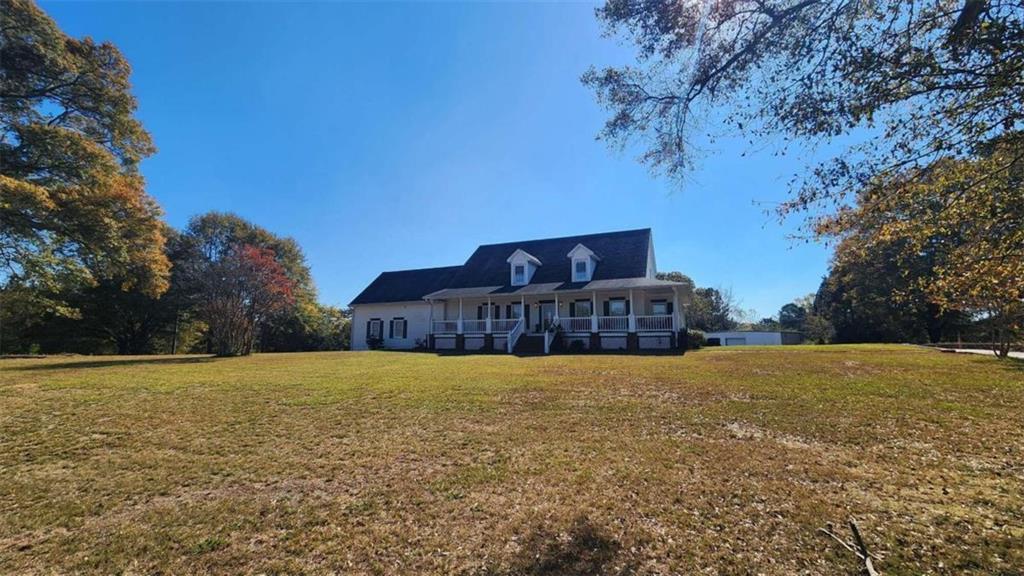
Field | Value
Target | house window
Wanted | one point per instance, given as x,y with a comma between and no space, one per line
375,328
519,274
582,309
517,310
659,307
398,328
617,307
580,270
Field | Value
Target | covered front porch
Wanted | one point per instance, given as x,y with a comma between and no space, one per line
630,318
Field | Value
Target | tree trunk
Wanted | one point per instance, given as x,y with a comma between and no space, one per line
174,337
1001,342
934,323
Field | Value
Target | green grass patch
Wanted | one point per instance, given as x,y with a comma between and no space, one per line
722,460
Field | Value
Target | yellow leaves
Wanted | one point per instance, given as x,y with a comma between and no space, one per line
965,216
20,195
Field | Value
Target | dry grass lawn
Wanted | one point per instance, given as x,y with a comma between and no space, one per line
721,461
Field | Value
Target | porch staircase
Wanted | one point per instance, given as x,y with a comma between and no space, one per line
530,344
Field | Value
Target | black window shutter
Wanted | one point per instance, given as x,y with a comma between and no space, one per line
368,323
508,310
669,307
391,329
480,312
606,309
405,329
572,309
628,304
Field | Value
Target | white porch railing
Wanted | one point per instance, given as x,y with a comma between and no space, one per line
613,323
514,334
446,326
504,324
575,324
651,323
658,323
473,326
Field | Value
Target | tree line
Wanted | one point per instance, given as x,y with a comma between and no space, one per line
86,262
867,296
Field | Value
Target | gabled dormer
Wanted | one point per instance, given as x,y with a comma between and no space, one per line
583,261
522,265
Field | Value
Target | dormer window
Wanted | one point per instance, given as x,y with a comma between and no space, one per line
523,265
580,271
584,260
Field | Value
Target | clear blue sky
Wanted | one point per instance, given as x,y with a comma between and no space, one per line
391,136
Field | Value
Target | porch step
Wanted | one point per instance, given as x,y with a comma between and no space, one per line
530,344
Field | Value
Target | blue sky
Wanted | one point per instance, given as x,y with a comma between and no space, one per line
391,136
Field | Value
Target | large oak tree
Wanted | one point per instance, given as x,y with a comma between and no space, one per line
73,208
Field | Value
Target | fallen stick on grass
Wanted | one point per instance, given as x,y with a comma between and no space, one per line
859,549
868,566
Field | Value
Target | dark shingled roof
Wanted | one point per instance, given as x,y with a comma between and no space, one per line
406,285
622,255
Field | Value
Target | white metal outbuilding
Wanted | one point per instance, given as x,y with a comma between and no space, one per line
752,338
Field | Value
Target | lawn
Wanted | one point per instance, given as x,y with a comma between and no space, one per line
719,461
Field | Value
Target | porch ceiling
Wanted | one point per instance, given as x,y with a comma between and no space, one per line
626,283
448,293
550,287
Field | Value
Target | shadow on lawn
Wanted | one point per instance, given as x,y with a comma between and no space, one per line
115,363
581,550
1016,364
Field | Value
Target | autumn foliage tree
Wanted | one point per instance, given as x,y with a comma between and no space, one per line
73,208
952,235
85,261
209,237
924,100
237,293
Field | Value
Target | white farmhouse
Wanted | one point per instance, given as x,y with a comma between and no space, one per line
598,289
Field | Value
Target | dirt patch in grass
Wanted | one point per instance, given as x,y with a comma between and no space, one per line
721,461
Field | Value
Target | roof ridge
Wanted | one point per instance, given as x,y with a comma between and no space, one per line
613,232
423,269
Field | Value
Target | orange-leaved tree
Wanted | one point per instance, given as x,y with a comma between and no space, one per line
238,292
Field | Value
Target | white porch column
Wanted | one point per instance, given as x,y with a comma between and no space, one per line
489,314
593,311
430,320
522,312
555,319
675,309
632,313
459,325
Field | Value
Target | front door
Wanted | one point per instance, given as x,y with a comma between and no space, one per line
547,314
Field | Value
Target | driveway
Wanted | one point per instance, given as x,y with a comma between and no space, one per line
981,351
